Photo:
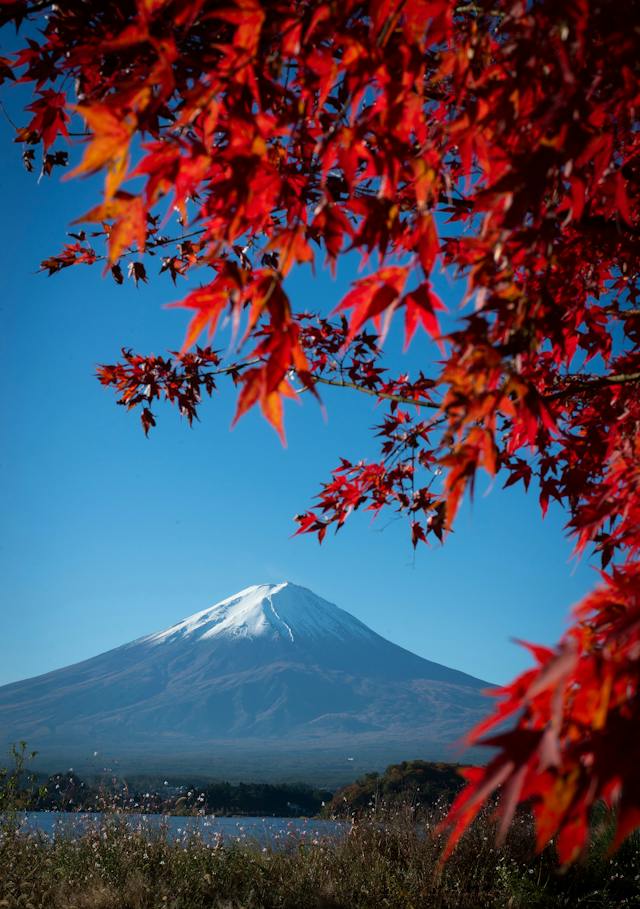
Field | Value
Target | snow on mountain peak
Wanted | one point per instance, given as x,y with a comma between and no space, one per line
283,611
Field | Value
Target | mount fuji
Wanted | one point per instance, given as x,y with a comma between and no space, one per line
272,669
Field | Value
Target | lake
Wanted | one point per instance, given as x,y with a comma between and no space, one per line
272,832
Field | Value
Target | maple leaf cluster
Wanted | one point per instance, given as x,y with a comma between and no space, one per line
496,141
180,380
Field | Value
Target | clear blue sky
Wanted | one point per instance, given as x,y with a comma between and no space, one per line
107,535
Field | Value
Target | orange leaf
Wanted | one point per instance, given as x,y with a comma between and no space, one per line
208,303
109,145
271,405
252,382
130,225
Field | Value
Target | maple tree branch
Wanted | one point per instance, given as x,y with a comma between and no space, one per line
166,241
235,367
387,396
381,395
623,313
155,244
578,383
86,133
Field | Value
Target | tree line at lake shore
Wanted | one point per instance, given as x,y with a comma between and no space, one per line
416,783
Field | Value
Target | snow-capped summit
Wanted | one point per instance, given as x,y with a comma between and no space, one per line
281,611
274,663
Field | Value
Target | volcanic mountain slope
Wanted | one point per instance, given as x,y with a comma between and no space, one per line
271,663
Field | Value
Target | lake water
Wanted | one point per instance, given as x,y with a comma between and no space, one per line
273,832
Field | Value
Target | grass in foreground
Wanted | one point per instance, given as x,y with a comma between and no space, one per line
383,861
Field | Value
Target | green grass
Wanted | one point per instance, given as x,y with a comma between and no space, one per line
384,861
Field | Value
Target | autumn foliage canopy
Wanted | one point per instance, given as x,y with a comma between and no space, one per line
497,141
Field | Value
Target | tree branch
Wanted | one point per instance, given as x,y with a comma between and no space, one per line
622,313
590,382
387,396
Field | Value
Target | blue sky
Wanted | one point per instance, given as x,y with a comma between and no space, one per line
107,535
